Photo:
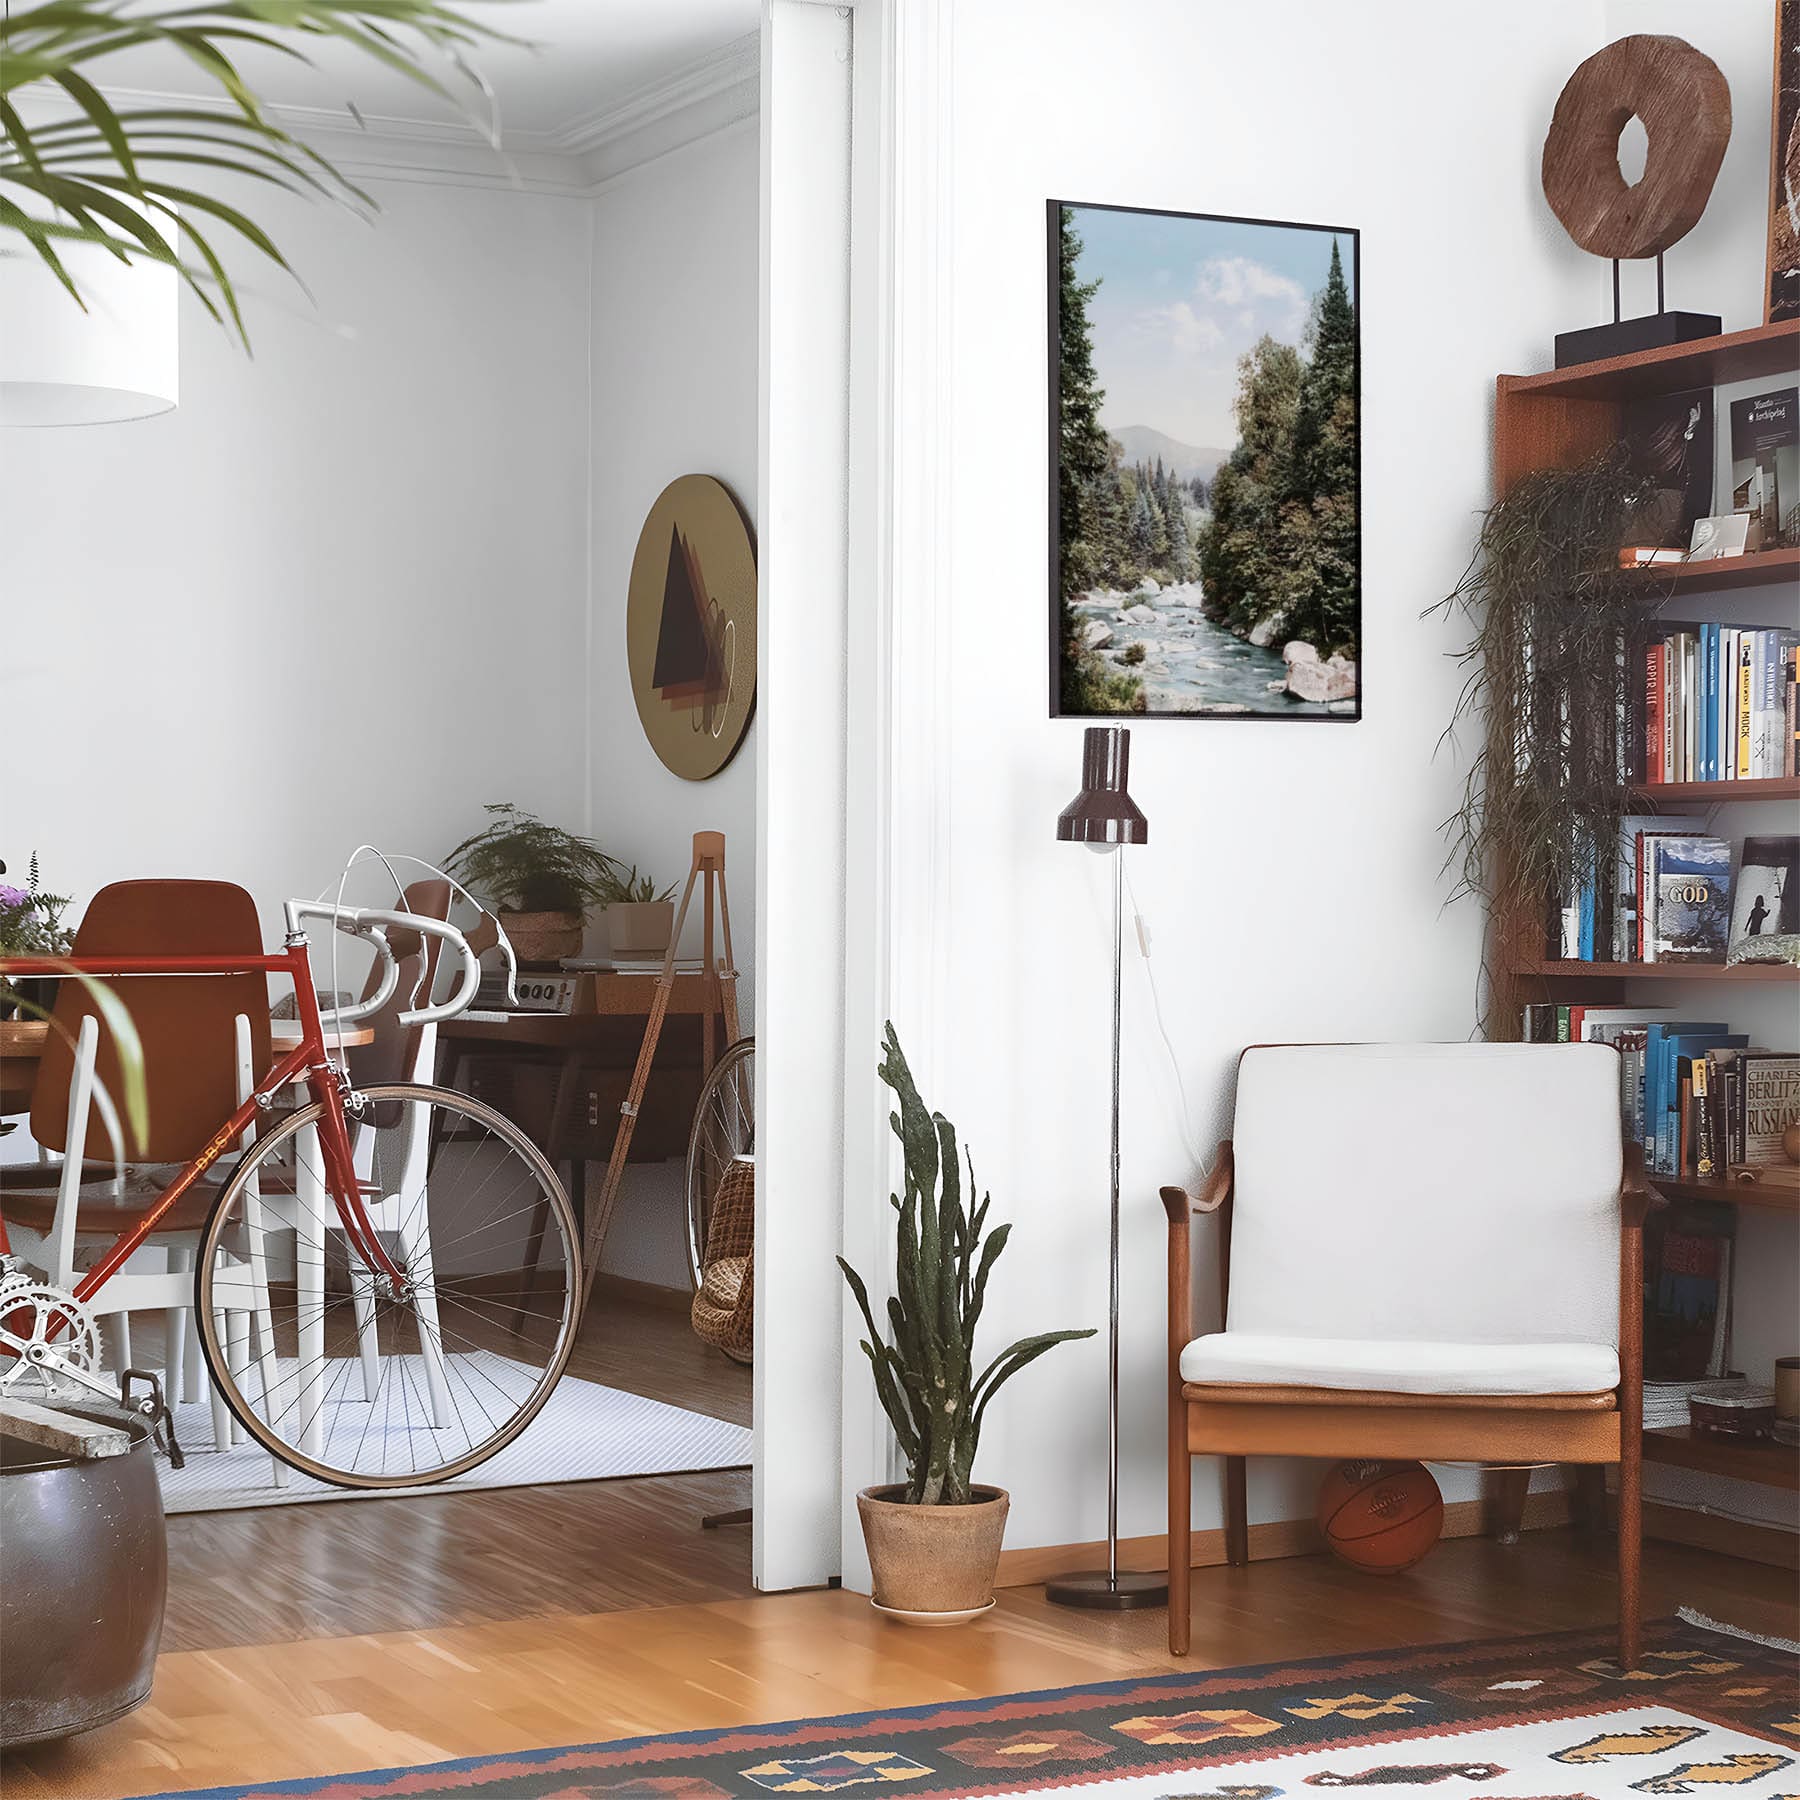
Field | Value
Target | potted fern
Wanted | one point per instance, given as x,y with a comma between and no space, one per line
934,1539
542,878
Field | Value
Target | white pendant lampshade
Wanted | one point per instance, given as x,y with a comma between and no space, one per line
61,366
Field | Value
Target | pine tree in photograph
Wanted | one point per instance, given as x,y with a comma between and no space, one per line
1086,478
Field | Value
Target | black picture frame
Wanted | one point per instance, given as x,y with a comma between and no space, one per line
1351,238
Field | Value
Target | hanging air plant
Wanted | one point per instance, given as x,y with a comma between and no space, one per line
1550,682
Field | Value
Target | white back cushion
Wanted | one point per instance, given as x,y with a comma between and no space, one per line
1457,1192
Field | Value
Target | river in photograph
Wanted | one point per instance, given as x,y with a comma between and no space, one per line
1190,664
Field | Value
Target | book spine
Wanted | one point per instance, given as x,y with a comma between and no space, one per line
1791,743
1726,750
1562,1024
1686,745
1684,1124
1709,705
1653,715
1705,1163
1745,639
1670,701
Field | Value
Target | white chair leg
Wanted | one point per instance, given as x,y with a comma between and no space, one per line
175,1329
237,1359
309,1269
193,1362
115,1332
222,1421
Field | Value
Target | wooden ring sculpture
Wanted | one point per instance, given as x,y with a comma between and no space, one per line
1684,102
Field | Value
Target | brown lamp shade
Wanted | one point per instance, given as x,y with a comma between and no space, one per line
1103,812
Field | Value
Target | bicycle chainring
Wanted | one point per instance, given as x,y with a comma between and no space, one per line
34,1312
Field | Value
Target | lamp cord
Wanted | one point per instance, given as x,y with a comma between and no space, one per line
1184,1118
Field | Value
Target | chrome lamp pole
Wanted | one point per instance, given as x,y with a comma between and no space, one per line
1104,817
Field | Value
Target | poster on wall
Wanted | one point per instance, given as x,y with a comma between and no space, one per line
1205,478
1784,168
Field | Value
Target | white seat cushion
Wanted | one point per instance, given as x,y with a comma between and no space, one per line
1395,1366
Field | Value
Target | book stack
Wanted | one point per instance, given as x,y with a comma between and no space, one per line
1697,1095
1719,704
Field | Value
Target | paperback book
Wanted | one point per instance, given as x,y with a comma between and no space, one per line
1687,888
1765,461
1766,898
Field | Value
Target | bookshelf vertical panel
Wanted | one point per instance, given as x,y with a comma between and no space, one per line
1547,431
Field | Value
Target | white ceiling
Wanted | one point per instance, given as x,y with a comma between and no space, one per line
588,60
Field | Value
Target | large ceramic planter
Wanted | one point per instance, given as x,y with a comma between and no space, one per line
640,928
86,1567
933,1565
542,939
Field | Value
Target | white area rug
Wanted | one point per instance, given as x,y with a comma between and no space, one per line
586,1432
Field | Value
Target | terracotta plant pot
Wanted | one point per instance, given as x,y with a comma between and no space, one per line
640,928
541,940
934,1565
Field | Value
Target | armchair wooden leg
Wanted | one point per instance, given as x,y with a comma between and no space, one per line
1630,1548
1506,1501
1181,1551
1237,1513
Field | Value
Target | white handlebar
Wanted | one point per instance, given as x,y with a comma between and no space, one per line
373,924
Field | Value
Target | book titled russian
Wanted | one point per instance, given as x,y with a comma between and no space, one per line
1690,888
1765,460
1770,1099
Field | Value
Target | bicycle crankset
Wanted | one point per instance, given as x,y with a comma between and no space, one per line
46,1333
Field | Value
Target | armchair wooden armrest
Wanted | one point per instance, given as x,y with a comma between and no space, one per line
1179,1204
1636,1196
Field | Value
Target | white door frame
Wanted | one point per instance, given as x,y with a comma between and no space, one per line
852,813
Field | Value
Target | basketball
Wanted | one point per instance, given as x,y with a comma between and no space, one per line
1380,1517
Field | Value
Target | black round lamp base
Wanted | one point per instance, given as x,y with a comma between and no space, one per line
1093,1589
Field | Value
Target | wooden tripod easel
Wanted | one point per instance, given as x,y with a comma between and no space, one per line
720,977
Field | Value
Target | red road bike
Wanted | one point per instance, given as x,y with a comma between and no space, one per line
387,1280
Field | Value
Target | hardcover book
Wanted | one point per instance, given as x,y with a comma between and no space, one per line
1670,441
1765,460
1769,1097
1690,886
1687,1301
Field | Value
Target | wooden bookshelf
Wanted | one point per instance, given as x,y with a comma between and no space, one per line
1559,420
1764,351
1714,793
1760,568
1765,1197
1551,970
1743,1459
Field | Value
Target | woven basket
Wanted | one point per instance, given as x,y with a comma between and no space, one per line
723,1308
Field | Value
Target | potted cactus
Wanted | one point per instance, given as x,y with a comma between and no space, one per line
934,1539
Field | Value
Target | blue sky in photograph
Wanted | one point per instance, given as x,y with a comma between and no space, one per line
1181,300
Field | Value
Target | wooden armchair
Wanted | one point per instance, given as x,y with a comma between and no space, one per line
1429,1251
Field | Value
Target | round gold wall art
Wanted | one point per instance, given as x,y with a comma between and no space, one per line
690,626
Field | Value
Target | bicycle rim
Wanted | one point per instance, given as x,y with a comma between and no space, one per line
724,1127
348,1378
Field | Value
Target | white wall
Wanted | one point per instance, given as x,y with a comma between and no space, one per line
674,336
1292,879
376,528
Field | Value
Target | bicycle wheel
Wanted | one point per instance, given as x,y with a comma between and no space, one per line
724,1126
333,1367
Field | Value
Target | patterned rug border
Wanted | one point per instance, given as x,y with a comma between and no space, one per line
1197,1684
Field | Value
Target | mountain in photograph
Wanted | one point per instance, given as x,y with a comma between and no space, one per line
1145,444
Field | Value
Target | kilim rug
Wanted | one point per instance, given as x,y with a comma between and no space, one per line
1543,1718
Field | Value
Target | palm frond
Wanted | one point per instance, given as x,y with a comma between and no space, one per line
121,179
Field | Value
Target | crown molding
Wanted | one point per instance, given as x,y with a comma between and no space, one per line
723,73
706,96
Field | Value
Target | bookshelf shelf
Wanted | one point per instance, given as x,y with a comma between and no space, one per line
1763,351
1758,1460
1656,971
1761,568
1769,1198
1776,787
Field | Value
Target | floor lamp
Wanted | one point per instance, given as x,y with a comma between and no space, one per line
1104,817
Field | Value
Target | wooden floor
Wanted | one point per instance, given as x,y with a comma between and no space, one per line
336,1704
334,1568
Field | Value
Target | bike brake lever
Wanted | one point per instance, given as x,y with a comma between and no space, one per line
156,1409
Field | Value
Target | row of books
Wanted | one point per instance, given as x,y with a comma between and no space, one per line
1677,894
1699,1097
1719,704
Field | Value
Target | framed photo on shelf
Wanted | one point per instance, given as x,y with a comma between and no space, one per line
1205,555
